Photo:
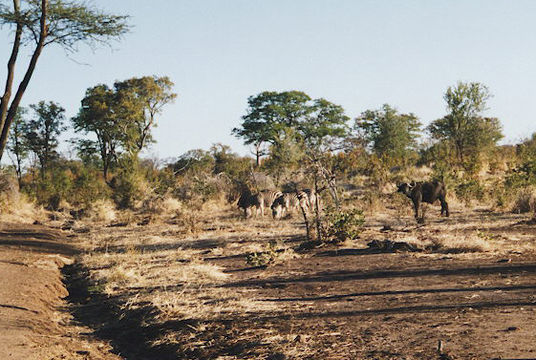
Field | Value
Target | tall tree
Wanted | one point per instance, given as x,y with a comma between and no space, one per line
324,127
464,127
122,117
268,114
40,23
17,144
42,131
139,101
97,116
390,135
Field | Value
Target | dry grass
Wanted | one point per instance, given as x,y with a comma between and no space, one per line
525,201
462,243
103,211
171,268
17,208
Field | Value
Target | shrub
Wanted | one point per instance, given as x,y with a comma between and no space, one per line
343,225
128,187
102,210
469,189
525,200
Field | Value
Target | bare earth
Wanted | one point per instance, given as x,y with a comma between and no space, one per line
34,319
158,292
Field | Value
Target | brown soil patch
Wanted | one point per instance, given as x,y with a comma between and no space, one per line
34,321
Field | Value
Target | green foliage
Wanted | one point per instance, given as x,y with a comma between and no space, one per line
324,127
195,161
464,128
137,102
264,258
66,23
469,189
69,23
273,115
286,156
343,225
17,144
97,116
391,136
71,181
128,184
228,163
121,118
41,132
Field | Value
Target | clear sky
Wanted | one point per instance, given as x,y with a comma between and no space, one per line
358,54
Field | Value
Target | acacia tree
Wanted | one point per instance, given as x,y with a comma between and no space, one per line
39,23
390,135
269,114
138,102
41,132
122,118
464,128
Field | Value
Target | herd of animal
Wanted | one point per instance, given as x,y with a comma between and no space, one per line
282,203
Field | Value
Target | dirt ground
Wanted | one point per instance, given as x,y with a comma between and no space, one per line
35,322
158,291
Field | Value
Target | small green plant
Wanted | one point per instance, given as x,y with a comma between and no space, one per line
263,258
484,235
343,225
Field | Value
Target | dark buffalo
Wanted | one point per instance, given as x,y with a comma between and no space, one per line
428,192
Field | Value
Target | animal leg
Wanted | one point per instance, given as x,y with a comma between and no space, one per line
416,206
444,207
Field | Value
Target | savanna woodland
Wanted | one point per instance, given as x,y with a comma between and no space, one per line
319,244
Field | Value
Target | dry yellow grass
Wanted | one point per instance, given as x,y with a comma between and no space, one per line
103,211
182,275
525,201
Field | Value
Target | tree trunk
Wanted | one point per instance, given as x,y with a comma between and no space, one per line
11,68
304,214
25,81
317,211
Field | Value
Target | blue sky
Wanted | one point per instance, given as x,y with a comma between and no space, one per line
359,54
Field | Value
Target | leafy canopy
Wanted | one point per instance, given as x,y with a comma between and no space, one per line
69,22
464,127
389,134
270,116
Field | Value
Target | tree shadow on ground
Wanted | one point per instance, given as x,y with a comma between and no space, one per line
346,275
38,240
403,292
135,333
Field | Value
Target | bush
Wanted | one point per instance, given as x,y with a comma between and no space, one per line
102,211
129,185
343,225
525,200
470,189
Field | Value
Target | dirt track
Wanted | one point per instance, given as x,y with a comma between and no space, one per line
34,320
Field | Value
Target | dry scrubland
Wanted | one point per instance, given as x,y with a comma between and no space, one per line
185,284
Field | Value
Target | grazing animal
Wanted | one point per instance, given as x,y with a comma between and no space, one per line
287,202
428,192
310,196
253,204
292,201
268,198
250,203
